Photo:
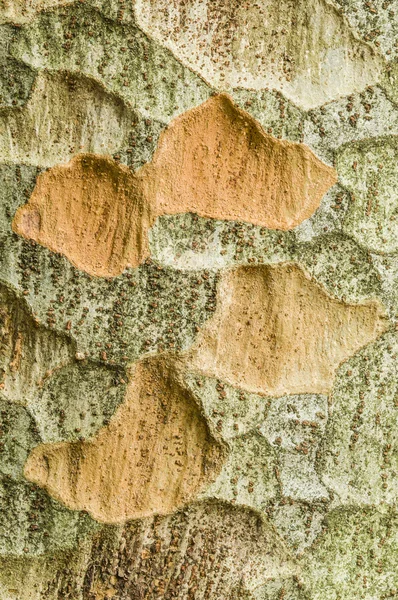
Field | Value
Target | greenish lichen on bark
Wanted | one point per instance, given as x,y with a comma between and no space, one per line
266,481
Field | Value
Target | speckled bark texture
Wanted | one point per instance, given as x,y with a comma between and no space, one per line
198,299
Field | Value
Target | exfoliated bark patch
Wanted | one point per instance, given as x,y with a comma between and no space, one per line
91,210
217,161
276,331
155,455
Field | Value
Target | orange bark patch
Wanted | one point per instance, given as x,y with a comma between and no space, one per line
277,332
154,456
91,210
217,161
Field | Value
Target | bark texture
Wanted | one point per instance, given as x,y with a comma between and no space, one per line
198,299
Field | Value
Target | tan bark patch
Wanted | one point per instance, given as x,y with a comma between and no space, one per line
217,161
276,331
91,210
154,456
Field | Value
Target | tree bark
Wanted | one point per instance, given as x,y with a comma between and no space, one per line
198,300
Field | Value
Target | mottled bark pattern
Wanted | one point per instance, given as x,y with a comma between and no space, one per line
198,299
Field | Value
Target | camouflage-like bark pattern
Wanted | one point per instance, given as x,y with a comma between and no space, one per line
198,299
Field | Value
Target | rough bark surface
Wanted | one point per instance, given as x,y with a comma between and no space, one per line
198,299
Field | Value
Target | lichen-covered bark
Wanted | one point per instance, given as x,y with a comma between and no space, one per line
198,300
